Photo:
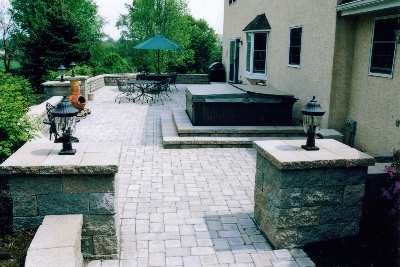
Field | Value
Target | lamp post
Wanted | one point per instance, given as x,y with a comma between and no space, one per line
73,66
312,115
62,70
65,120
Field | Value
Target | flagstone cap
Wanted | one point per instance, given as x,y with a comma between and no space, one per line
41,157
288,155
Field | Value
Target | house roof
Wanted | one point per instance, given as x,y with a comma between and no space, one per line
341,2
259,23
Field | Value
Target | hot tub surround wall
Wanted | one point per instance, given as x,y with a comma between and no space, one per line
42,183
303,197
226,105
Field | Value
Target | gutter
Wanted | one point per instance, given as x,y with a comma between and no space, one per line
364,6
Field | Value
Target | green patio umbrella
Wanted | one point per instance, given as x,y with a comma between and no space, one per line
158,43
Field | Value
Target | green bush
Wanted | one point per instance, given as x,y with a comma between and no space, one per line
15,127
112,63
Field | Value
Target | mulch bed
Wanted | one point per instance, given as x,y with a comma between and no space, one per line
13,245
13,248
352,252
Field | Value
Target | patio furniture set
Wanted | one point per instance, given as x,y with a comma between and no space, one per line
146,88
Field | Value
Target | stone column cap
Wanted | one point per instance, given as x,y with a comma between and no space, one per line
40,157
56,83
288,155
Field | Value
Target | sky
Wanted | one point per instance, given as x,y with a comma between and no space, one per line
210,10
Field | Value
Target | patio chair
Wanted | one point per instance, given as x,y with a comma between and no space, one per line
155,92
51,121
124,91
173,80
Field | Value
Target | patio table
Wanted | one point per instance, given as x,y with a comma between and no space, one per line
143,86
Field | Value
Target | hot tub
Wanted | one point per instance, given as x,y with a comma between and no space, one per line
238,105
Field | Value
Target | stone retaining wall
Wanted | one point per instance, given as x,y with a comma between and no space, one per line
43,183
35,196
192,79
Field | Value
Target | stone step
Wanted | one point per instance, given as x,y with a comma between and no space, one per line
57,242
184,127
171,139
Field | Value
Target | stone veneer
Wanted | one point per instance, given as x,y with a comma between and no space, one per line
308,196
43,183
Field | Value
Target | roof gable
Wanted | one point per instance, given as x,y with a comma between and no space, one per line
259,23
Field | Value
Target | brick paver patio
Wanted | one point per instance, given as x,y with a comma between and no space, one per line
179,207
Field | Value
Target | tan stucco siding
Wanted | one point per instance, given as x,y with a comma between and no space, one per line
342,72
374,101
318,19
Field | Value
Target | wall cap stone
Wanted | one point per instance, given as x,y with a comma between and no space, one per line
288,155
41,157
56,83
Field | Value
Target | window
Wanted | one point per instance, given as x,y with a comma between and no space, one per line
232,1
256,52
295,46
384,46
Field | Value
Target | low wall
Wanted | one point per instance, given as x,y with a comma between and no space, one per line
192,79
43,183
92,84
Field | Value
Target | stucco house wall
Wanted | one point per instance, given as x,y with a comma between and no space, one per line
318,19
374,101
334,65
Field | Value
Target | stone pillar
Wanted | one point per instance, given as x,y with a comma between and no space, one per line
56,88
41,183
308,196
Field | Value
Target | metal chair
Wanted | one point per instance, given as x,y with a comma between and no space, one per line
172,82
51,121
124,91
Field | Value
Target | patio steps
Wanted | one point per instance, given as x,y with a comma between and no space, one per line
171,138
185,127
178,132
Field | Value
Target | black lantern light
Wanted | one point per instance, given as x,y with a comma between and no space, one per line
312,115
73,66
62,70
65,121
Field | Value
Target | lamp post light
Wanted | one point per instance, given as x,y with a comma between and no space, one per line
312,115
65,121
62,70
73,66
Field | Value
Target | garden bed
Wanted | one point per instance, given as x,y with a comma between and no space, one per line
13,248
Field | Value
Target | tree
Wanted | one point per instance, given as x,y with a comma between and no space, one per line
54,32
7,29
204,43
147,18
170,18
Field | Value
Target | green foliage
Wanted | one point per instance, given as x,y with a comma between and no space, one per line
15,127
106,59
54,32
112,63
171,19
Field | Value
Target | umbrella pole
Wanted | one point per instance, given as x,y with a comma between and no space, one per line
158,53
